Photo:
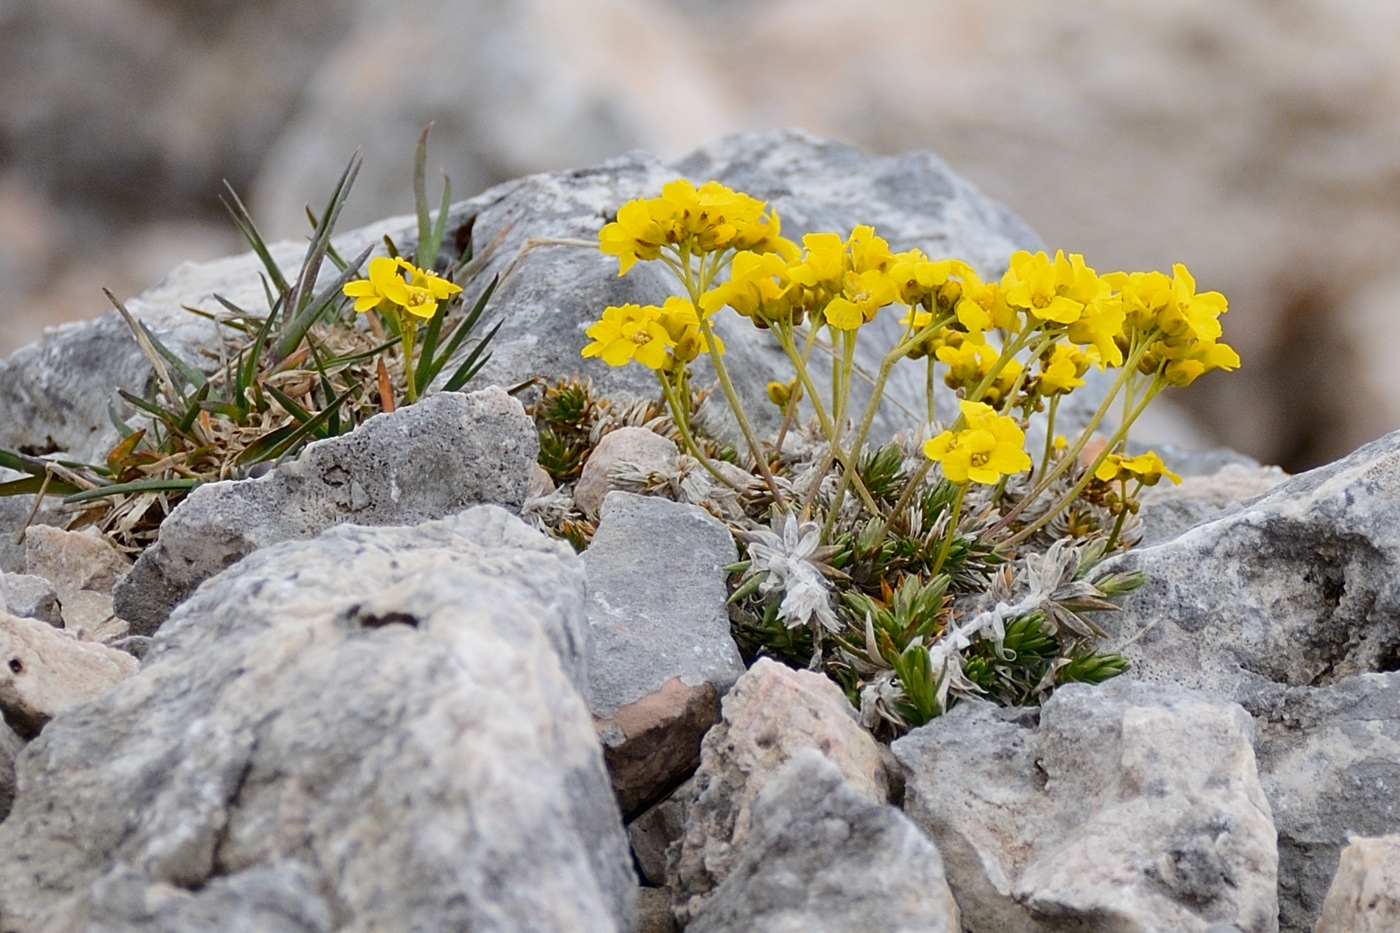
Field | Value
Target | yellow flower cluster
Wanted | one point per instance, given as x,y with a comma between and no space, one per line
986,449
1008,347
397,285
657,337
689,221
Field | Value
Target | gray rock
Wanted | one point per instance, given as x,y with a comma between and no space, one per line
84,568
652,833
1365,894
1168,509
446,453
636,447
822,857
1329,761
29,596
369,730
1133,802
663,655
44,671
772,713
10,746
1293,588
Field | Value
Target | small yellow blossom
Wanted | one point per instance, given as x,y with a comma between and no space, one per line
387,289
1148,469
1060,369
630,332
988,448
1032,283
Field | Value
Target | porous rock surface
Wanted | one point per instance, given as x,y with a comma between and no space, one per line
771,714
821,857
428,460
377,729
1133,806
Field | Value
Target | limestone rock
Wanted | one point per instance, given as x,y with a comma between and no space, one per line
30,597
663,655
1329,761
1168,510
653,831
771,714
1293,588
44,671
446,453
372,729
1365,894
645,450
821,857
84,569
1130,801
10,745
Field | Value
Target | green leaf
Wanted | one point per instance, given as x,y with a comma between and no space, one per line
436,361
121,489
244,222
302,308
33,485
283,440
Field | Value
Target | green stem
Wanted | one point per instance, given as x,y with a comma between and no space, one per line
1118,436
407,330
1072,456
682,425
760,458
952,531
1049,435
903,502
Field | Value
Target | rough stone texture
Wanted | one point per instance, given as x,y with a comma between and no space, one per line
1365,894
654,911
1168,510
30,597
653,831
1132,802
821,857
446,453
771,714
10,746
84,568
44,671
663,655
1329,760
638,447
371,730
1293,588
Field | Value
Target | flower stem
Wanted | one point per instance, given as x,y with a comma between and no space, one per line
952,531
678,415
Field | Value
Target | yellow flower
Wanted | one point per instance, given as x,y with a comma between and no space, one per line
758,288
635,235
630,332
682,323
1060,369
988,448
1200,358
711,218
1148,469
862,296
1033,284
386,288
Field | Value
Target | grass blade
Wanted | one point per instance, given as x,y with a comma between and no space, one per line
244,222
142,485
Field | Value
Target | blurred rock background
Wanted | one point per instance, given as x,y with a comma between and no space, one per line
1258,141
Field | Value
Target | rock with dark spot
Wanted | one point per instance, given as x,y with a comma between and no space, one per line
277,763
